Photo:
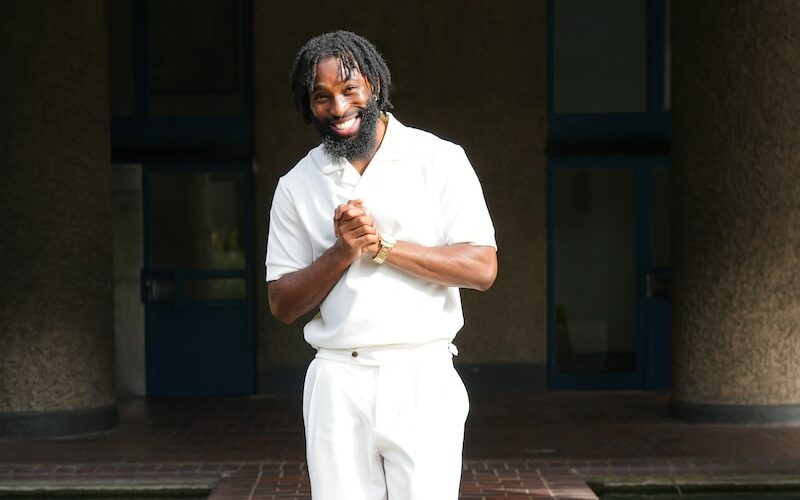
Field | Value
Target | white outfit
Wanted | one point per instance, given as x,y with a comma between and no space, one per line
390,421
397,410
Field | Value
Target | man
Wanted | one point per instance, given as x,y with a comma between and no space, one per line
378,227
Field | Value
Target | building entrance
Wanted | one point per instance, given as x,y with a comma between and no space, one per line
608,194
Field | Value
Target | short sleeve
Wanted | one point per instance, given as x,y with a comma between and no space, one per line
288,246
465,216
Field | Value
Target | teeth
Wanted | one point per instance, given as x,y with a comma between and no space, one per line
345,125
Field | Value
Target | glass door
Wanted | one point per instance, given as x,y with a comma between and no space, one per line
608,315
196,283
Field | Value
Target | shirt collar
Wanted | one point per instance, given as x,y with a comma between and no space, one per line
391,149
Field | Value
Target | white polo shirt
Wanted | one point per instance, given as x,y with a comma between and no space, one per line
417,188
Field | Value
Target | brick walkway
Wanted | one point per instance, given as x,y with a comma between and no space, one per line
518,445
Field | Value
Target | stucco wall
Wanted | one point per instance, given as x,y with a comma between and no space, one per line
56,328
736,148
472,72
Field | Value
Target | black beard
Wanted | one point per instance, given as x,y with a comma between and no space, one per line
353,148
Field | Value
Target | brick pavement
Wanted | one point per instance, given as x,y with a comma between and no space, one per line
518,446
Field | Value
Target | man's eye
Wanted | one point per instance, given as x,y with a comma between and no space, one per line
351,88
319,98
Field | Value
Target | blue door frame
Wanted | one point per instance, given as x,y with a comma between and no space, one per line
198,346
652,310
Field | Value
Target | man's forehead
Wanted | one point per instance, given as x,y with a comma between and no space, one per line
345,71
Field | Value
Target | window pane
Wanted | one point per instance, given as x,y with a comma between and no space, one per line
595,270
197,220
193,57
600,56
215,289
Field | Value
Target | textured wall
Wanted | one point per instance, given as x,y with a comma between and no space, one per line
56,330
736,151
470,71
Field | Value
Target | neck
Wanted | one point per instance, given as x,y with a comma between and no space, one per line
380,130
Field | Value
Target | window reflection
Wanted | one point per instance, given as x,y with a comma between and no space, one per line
197,221
595,270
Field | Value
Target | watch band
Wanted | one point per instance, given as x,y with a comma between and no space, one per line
387,243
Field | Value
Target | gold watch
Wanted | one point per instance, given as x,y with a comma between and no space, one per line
387,243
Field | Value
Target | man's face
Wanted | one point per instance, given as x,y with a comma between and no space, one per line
343,111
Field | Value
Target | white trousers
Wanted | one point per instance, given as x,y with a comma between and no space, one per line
384,423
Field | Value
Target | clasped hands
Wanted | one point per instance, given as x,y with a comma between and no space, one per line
355,230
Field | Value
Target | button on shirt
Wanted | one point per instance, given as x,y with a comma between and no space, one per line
417,188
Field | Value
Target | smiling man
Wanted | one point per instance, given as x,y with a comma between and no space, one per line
377,229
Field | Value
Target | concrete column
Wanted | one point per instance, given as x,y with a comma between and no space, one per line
736,218
56,324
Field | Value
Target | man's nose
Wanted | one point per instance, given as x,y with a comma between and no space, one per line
339,106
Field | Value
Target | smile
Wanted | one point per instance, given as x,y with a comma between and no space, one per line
348,127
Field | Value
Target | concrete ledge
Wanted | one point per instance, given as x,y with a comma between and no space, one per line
104,488
721,485
58,423
735,414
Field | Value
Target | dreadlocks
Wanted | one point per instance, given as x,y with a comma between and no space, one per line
353,52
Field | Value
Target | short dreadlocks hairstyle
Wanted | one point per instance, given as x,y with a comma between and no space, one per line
354,52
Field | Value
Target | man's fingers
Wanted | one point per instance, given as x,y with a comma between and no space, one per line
337,216
339,210
361,220
346,213
360,231
367,241
352,233
351,213
351,206
360,239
